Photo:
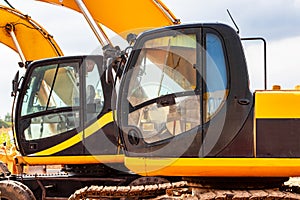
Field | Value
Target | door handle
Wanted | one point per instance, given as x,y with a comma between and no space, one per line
244,101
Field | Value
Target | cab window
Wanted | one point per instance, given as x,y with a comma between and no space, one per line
52,87
163,87
215,76
94,97
61,97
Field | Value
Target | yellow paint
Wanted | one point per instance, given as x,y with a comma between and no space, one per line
30,35
209,167
58,160
100,123
133,14
277,104
254,138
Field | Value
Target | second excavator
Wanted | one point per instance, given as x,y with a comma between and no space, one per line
22,34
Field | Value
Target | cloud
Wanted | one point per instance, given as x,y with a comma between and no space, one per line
273,20
68,27
283,63
9,67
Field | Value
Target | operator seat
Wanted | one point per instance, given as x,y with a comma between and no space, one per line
90,94
90,102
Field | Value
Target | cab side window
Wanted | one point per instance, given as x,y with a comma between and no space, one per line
215,76
163,87
93,90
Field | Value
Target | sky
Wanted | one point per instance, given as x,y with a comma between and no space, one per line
278,21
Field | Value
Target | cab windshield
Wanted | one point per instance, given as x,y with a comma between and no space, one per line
165,66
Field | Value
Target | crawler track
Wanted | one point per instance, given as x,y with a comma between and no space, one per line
181,190
199,193
132,192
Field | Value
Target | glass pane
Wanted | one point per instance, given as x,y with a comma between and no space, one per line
52,124
94,93
157,123
216,74
165,66
52,87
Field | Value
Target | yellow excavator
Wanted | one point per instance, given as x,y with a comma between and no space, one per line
26,37
61,138
172,113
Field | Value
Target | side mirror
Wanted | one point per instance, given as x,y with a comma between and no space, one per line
15,84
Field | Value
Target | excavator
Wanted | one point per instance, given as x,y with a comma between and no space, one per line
24,36
185,109
171,113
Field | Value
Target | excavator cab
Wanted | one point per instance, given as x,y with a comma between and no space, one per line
185,94
64,111
185,108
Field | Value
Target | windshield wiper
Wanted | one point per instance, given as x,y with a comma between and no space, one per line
163,101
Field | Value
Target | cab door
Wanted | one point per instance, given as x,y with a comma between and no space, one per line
160,103
100,136
48,107
184,92
61,109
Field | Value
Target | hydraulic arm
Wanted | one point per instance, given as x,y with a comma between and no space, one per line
25,36
123,17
